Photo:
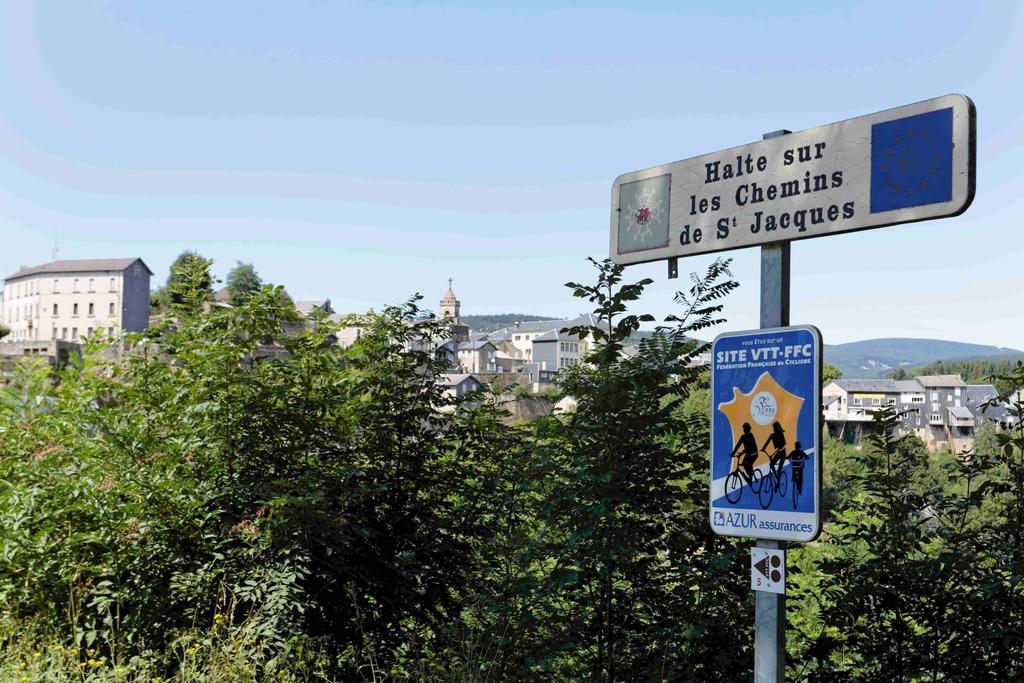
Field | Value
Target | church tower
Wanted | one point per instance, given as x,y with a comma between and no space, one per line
450,312
449,304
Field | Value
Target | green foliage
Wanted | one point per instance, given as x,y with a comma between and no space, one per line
637,586
491,322
4,331
159,301
871,357
973,370
238,498
914,578
829,373
243,282
178,283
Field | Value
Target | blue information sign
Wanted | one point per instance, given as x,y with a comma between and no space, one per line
766,433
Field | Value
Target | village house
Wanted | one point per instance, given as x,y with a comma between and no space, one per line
70,300
942,410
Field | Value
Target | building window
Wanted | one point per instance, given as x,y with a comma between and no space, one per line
92,284
935,396
917,399
54,333
111,308
74,286
74,308
88,332
856,401
112,288
63,333
935,417
56,286
876,401
890,401
55,310
92,310
74,333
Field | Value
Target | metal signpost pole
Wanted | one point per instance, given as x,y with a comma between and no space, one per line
770,608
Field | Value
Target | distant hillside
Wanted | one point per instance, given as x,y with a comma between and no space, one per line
495,321
879,357
974,370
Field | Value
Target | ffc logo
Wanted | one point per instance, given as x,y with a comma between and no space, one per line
763,408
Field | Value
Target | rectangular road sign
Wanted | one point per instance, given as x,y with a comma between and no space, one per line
768,570
911,163
766,433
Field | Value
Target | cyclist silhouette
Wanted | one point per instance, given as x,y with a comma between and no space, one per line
778,458
798,458
749,445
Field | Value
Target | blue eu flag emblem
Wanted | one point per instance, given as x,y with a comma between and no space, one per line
912,161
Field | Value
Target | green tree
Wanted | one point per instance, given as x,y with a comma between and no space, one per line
893,591
242,283
188,261
624,512
829,373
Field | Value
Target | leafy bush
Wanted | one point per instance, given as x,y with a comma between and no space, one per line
238,498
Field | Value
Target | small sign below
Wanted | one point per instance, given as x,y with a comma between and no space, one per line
768,570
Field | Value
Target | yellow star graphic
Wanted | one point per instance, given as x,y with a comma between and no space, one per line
766,404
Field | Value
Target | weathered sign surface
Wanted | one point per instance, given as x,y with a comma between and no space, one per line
906,164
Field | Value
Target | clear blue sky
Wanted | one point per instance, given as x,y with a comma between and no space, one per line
366,151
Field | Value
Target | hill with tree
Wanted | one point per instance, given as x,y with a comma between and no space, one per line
489,322
874,358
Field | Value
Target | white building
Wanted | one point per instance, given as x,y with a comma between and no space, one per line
70,300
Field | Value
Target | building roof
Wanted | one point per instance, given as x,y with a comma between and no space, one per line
978,395
941,381
475,345
554,335
452,379
868,385
908,386
531,326
961,412
79,266
828,400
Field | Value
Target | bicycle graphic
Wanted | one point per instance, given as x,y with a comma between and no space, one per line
777,479
734,483
797,460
